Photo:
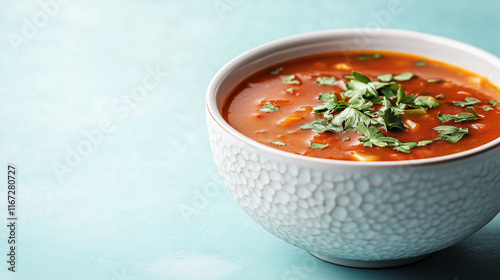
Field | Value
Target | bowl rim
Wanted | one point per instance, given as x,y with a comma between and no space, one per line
272,46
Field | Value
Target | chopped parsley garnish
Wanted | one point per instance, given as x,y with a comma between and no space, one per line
469,101
451,133
440,96
406,76
426,101
421,63
329,81
435,80
391,121
318,146
460,117
350,77
493,102
355,110
364,56
290,80
278,143
373,136
276,71
289,90
424,143
384,78
487,108
268,108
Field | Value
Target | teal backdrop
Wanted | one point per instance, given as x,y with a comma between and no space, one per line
102,115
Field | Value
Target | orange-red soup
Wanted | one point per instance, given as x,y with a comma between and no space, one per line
243,107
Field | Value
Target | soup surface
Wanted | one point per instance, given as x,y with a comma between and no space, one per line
367,106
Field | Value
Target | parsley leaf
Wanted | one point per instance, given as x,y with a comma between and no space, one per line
487,108
278,143
405,147
331,104
440,96
421,63
276,71
402,98
493,102
373,136
364,56
384,78
329,81
451,133
289,90
290,80
406,76
424,143
360,85
469,101
268,108
346,139
391,121
460,117
426,101
350,118
318,146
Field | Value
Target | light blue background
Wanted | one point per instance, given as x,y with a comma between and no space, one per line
145,201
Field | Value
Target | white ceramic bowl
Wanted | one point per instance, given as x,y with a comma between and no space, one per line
362,214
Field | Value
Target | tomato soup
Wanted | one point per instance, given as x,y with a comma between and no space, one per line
366,106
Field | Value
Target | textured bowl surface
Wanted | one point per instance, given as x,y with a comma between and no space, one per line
357,211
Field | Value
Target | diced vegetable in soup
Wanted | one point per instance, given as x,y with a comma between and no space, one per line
366,106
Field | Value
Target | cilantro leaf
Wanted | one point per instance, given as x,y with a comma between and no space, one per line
350,118
421,63
364,56
318,146
451,133
460,117
268,108
360,85
290,80
440,96
389,92
406,76
426,101
360,77
276,71
329,81
402,97
493,102
289,90
404,147
331,104
469,101
424,143
487,108
384,78
373,136
391,121
278,143
346,139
